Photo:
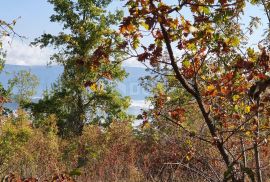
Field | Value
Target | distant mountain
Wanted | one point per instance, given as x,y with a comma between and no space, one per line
48,75
131,85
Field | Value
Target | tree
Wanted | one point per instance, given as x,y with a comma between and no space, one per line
6,29
92,64
4,93
24,83
209,60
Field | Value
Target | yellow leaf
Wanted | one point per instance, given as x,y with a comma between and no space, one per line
174,23
248,133
247,109
94,87
188,157
203,77
191,46
209,30
186,63
235,97
236,107
235,41
210,88
136,43
145,25
147,125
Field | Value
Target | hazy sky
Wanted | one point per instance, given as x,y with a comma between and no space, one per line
34,21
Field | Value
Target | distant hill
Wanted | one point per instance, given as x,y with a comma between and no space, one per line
48,75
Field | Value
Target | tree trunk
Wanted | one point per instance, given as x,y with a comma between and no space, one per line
195,93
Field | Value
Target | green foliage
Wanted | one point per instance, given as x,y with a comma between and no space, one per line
4,92
85,92
26,150
14,134
95,108
25,84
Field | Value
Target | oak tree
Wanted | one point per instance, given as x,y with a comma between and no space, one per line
208,59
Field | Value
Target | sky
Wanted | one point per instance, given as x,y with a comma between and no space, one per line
33,21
